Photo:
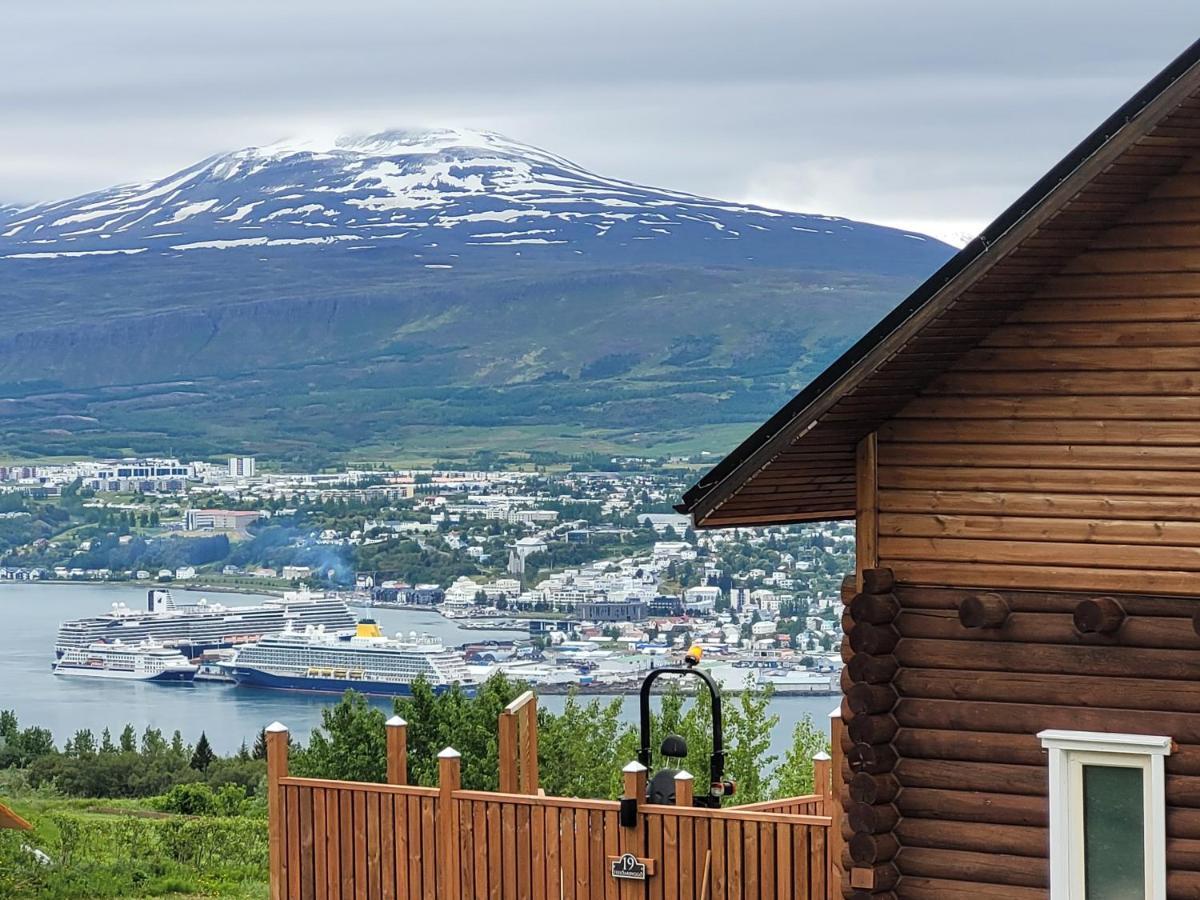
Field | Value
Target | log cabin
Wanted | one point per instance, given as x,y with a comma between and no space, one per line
1019,443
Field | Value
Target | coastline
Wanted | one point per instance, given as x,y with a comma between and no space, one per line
178,585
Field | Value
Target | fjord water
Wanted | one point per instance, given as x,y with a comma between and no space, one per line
29,619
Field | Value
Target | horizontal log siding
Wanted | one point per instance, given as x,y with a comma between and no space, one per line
1063,452
972,772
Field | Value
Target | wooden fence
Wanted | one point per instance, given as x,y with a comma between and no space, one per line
358,841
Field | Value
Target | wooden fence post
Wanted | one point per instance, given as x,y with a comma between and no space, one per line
633,840
448,851
277,768
397,751
684,782
519,746
823,781
508,752
530,778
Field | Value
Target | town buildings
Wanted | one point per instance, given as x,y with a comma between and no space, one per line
220,519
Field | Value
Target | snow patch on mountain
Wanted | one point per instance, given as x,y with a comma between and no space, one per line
391,185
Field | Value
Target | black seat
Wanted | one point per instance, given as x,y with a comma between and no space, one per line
662,787
674,747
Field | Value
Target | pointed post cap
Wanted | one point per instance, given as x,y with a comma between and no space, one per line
684,775
276,727
395,722
822,756
634,767
836,714
449,753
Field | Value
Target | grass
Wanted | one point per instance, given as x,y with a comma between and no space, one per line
127,849
422,447
241,584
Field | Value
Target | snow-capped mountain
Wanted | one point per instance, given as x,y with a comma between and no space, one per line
304,299
435,199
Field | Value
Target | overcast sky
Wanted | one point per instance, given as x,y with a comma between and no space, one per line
929,115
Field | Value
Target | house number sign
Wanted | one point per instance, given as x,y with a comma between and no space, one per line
630,868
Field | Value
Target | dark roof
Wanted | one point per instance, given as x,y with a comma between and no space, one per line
799,465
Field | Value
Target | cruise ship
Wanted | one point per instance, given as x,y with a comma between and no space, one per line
194,628
319,661
147,661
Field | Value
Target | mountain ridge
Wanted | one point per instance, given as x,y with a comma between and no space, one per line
436,192
317,298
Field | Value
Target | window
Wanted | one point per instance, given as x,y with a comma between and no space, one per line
1107,815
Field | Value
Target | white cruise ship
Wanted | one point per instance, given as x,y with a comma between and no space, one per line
147,661
319,661
771,668
194,628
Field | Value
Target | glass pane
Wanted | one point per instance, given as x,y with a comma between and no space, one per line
1113,833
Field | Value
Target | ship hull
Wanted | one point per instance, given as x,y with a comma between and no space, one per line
196,629
170,676
258,678
190,649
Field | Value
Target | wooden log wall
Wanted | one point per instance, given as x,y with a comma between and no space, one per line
961,805
1063,451
869,867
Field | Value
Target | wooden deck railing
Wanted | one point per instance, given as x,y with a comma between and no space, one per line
337,839
807,805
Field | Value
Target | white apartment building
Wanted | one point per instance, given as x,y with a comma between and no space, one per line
241,467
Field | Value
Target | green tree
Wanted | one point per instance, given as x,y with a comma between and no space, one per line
794,778
153,743
9,726
749,760
452,719
350,744
25,746
203,756
581,750
82,744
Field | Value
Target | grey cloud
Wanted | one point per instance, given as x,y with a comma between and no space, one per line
918,111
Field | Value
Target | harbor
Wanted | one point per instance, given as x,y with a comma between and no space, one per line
312,642
227,713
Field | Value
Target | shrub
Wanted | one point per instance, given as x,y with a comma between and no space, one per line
190,800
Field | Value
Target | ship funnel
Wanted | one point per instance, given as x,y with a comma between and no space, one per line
368,628
158,600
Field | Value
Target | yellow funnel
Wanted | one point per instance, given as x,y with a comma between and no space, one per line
368,628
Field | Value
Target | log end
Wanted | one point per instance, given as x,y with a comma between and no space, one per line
878,581
1100,615
983,611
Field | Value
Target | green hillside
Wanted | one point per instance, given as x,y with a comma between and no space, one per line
317,357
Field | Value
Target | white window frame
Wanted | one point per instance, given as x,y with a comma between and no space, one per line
1070,751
